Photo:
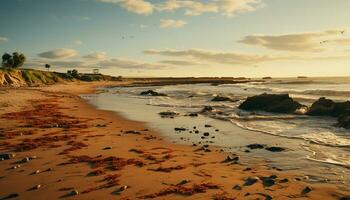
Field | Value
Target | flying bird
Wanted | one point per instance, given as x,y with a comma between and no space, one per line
342,32
324,41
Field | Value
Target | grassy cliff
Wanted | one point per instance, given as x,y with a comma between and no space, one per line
30,77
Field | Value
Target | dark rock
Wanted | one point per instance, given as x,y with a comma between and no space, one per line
7,156
206,134
306,190
268,182
11,196
273,176
255,146
216,130
345,198
107,148
275,149
193,115
168,114
221,98
231,158
247,169
285,180
207,125
251,181
278,103
327,107
183,182
207,109
152,93
237,187
74,192
180,129
196,131
132,132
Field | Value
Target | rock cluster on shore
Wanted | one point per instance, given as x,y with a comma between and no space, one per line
282,103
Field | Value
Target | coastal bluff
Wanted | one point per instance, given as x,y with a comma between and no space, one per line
31,77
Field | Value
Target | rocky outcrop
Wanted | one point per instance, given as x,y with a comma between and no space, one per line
277,103
327,107
30,77
151,93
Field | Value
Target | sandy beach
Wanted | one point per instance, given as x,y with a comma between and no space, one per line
65,148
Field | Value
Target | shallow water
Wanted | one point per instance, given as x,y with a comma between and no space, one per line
314,146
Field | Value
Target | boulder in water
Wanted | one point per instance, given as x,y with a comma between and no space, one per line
344,121
277,103
327,107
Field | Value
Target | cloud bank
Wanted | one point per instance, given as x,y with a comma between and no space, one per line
170,23
297,42
58,54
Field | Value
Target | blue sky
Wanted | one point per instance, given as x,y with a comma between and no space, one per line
181,37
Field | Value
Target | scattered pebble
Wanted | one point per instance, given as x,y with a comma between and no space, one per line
251,181
107,148
237,187
206,134
306,190
74,192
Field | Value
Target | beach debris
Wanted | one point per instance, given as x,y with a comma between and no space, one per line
11,196
222,98
132,132
267,197
74,192
251,181
16,166
151,93
306,190
183,182
255,146
96,172
275,149
193,115
168,114
180,129
37,187
237,187
101,125
183,190
231,158
168,169
285,180
7,156
207,109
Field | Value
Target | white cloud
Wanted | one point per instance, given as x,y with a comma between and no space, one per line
302,42
231,58
137,6
4,39
170,23
58,53
98,55
227,8
132,64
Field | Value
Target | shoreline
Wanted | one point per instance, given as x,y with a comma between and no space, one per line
139,159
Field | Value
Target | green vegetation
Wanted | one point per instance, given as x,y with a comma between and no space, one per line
15,60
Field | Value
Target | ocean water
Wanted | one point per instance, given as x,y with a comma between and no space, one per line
314,145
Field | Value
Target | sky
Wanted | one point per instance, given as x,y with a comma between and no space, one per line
187,38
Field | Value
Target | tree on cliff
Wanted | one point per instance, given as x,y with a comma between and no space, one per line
47,66
13,61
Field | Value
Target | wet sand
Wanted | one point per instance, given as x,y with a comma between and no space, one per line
67,149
